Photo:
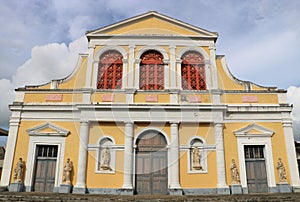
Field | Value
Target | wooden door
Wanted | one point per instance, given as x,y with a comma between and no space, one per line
256,169
151,164
45,168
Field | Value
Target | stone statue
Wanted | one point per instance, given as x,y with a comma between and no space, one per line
196,159
68,168
105,159
235,176
19,171
281,171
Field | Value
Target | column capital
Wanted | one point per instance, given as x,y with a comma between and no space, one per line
131,46
172,47
137,61
219,124
128,122
212,48
174,122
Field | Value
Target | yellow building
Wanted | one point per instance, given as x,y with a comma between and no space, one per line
151,109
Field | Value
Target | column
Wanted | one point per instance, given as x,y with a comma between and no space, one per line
178,70
166,74
175,188
80,186
131,72
291,154
222,187
172,71
137,74
127,187
10,149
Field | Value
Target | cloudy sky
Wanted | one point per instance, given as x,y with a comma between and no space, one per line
40,39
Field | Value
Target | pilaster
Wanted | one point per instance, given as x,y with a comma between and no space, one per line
222,187
214,76
291,154
80,186
10,148
127,187
175,188
131,73
172,67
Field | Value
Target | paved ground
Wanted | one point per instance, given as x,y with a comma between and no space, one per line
55,197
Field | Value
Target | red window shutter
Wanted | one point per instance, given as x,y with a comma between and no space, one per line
152,71
193,71
110,70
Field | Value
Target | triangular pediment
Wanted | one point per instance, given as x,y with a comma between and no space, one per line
48,129
152,23
254,130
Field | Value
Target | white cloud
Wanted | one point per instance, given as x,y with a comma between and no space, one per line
47,62
293,97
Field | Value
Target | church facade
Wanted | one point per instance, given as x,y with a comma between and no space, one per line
150,109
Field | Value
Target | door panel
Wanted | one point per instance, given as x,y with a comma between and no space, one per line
45,168
151,165
256,169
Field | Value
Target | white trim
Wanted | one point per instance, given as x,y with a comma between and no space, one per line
262,131
10,148
206,59
57,131
157,48
31,157
107,48
112,155
204,155
264,140
192,48
204,33
96,61
149,129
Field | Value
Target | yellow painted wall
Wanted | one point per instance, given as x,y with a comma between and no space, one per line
278,146
78,80
237,98
40,97
198,180
225,83
150,25
119,97
162,97
101,129
71,143
139,127
195,180
104,180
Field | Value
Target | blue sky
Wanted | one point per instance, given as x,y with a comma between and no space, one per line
40,40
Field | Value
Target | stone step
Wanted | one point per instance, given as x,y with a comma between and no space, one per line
56,197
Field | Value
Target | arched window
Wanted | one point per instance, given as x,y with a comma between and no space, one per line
110,70
193,71
152,71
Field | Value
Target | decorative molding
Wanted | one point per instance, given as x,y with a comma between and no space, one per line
56,130
254,130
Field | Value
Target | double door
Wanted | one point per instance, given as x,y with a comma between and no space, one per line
45,168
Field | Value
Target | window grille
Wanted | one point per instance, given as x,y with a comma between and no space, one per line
152,71
110,70
193,71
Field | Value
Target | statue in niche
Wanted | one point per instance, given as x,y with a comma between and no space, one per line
68,168
105,159
235,176
19,171
196,159
281,171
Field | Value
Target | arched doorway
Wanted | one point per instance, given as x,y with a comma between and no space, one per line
151,164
